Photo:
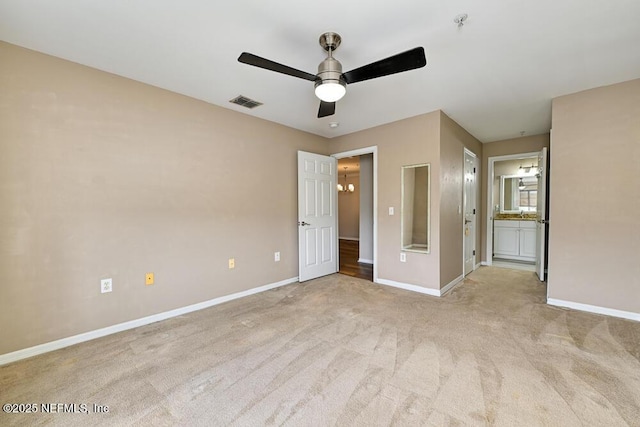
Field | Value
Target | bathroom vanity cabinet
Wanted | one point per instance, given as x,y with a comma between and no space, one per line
513,239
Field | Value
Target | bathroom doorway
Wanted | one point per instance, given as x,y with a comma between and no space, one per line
512,197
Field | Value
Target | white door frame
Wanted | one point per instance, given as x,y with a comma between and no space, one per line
490,202
476,184
542,219
359,152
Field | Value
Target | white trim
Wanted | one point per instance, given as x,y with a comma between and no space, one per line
485,263
451,285
477,266
354,239
490,202
409,287
594,309
365,261
420,289
359,152
98,333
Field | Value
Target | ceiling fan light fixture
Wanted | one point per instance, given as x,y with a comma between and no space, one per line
330,91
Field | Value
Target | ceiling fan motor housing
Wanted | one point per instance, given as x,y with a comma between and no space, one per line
330,70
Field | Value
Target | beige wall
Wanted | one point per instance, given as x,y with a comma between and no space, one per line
349,208
527,144
101,177
594,242
454,139
405,142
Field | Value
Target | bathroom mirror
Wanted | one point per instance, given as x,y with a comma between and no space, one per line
415,208
518,193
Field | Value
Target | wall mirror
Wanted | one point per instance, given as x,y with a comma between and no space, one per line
415,221
518,193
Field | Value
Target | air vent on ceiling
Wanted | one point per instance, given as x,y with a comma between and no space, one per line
245,102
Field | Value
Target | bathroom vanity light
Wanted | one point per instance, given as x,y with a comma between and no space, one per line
527,170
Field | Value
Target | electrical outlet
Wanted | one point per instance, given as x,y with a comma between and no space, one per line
276,256
391,210
106,285
232,263
148,279
403,257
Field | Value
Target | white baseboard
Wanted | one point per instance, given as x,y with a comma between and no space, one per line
365,261
409,287
594,309
451,285
477,266
485,263
87,336
355,239
420,289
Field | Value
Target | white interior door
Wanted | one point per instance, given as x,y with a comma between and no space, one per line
541,214
317,222
470,182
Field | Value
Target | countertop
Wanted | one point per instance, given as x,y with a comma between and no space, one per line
515,217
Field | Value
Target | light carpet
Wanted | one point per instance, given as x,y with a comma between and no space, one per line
343,351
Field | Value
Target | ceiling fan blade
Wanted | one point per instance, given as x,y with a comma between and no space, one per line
326,109
256,61
405,61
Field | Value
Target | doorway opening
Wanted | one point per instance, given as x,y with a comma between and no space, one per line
356,213
511,224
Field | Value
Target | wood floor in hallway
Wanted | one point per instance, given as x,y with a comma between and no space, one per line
349,265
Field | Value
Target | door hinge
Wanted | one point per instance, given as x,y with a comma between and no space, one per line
474,170
474,252
474,211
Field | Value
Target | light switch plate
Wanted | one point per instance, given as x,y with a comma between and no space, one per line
148,279
391,210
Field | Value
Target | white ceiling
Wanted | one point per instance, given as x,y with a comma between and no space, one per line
495,76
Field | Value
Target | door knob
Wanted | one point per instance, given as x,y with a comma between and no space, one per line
303,223
467,221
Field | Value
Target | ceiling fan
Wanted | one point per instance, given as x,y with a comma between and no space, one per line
331,82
